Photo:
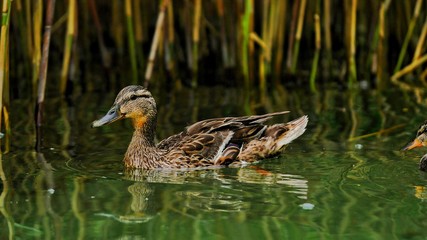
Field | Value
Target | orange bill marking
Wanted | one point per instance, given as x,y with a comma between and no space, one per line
414,144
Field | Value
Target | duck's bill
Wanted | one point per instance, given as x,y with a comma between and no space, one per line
414,144
112,116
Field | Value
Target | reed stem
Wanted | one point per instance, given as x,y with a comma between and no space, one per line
316,53
131,40
408,36
245,41
155,42
37,43
4,55
411,67
298,35
69,38
43,69
280,39
352,43
421,41
291,34
196,37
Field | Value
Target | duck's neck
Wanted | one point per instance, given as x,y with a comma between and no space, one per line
142,151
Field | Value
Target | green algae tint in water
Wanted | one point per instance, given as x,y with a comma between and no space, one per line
323,187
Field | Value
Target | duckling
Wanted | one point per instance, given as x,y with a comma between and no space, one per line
419,141
228,141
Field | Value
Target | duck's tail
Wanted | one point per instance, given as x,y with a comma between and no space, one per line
283,134
274,138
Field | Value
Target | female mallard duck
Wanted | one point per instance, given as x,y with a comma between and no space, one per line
208,143
420,141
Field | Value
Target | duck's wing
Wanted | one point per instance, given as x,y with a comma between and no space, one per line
199,150
243,128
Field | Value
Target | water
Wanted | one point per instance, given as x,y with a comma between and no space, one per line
323,187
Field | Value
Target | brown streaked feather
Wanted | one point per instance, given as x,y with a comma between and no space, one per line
206,146
252,124
229,154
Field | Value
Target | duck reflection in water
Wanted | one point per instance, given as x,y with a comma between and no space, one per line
212,190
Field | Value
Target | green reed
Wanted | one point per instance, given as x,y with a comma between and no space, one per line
69,40
4,66
408,36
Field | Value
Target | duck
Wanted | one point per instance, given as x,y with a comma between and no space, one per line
216,142
419,141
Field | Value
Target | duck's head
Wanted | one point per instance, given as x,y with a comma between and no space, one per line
420,139
134,102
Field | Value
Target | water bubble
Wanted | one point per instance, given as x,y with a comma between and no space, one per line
307,206
358,146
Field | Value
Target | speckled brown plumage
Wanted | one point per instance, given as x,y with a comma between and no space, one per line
230,141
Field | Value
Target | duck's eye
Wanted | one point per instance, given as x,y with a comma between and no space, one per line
133,97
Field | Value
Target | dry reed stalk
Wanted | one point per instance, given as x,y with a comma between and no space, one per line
352,43
8,129
264,55
291,34
251,45
131,40
171,34
298,35
245,41
69,39
43,70
196,38
4,58
262,74
224,43
28,28
117,26
421,41
170,38
380,49
280,36
327,25
22,29
138,21
272,30
155,42
411,67
423,75
408,36
316,53
37,41
139,35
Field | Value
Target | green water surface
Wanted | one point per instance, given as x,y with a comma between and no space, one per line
323,186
